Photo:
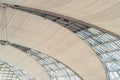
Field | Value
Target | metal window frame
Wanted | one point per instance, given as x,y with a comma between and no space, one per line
54,68
10,72
77,27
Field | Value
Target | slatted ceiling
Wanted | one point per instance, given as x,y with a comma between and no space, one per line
68,5
34,2
43,3
46,35
23,30
101,8
25,23
73,50
56,39
36,37
54,4
80,14
86,66
38,29
88,7
9,14
61,46
92,11
63,50
105,15
66,43
42,24
17,20
84,55
20,57
115,23
98,11
76,58
50,3
22,61
73,5
70,37
87,10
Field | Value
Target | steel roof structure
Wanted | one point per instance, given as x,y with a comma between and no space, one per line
61,40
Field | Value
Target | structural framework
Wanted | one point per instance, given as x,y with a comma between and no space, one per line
58,40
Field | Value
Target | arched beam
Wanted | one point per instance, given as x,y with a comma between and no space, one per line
53,67
81,29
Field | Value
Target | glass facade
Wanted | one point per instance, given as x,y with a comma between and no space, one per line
9,72
107,48
55,69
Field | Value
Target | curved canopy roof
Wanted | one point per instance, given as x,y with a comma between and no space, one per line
103,13
48,37
22,61
10,72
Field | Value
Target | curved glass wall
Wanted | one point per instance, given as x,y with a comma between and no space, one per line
55,69
105,45
9,72
107,48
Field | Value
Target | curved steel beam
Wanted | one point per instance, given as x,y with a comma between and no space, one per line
68,23
104,43
55,69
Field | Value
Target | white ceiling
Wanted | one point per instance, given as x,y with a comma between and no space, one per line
22,61
102,13
48,37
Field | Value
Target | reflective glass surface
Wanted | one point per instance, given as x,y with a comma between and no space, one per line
55,69
107,48
9,72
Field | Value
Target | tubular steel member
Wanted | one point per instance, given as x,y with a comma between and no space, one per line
106,44
55,69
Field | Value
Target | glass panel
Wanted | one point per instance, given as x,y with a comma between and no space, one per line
112,66
108,49
54,68
112,56
9,72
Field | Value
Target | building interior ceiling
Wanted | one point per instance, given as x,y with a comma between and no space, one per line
58,42
10,72
103,13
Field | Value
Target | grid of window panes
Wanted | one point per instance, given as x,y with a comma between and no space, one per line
6,73
9,72
55,69
107,48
